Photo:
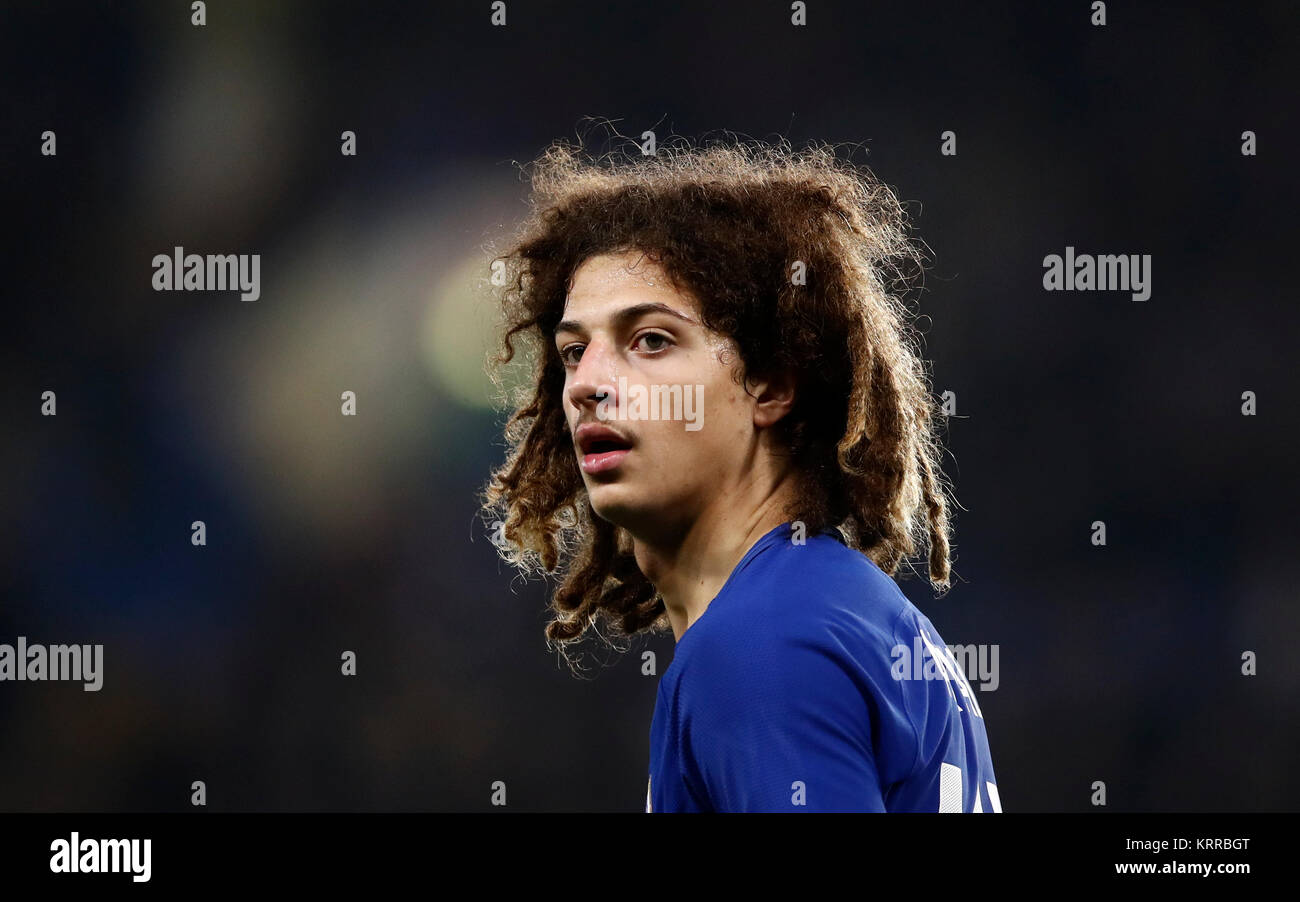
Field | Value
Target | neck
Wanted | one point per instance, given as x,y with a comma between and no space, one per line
689,566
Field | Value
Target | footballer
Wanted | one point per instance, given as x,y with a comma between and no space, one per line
728,433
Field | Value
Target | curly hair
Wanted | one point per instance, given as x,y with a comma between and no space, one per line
802,260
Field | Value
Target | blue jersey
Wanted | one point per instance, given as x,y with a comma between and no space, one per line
799,689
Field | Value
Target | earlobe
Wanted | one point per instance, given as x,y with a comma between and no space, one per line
772,401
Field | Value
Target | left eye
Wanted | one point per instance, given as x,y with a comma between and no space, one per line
663,339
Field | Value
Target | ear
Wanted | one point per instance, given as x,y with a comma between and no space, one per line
773,398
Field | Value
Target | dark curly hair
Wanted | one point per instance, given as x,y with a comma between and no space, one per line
734,224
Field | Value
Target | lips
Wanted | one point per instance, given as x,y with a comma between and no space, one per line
602,448
593,438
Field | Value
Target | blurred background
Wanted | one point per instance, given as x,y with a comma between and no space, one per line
328,533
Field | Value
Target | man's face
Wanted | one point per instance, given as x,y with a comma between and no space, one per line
650,471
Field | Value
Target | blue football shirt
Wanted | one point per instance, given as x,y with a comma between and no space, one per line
811,683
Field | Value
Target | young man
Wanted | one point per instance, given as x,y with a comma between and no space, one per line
729,434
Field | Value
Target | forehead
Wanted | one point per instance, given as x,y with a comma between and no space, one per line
604,283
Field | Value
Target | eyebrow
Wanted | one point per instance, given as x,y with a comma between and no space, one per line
626,315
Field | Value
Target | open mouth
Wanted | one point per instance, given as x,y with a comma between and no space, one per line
602,449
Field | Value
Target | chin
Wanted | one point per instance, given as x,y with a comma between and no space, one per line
611,504
618,505
642,518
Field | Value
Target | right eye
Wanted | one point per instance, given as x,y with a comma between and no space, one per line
567,354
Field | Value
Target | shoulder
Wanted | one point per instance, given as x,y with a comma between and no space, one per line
817,590
806,649
801,604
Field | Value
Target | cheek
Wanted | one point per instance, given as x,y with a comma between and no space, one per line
728,411
724,398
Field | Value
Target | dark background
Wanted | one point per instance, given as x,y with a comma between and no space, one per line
326,533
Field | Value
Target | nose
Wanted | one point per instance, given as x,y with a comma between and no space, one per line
592,380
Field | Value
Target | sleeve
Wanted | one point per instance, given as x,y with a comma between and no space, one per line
779,726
